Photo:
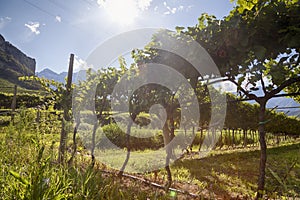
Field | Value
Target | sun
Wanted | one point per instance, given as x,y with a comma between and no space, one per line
123,12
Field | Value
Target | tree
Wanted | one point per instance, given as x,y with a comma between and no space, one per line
253,53
98,85
295,88
250,52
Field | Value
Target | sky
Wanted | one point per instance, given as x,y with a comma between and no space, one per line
49,30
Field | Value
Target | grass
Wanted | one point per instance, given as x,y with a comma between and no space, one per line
139,162
224,174
234,173
28,169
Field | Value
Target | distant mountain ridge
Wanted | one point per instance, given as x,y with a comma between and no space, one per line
51,75
59,77
282,104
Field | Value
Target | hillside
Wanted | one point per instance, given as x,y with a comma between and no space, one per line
14,63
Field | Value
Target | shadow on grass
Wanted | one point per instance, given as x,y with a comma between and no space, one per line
233,174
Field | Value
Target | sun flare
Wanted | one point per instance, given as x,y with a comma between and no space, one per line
122,12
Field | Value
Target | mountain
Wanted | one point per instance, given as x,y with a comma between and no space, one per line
14,63
51,75
282,104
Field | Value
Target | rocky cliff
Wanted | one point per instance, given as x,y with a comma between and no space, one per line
16,58
14,63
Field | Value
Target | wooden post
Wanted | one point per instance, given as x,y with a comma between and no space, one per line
66,116
70,74
38,115
14,104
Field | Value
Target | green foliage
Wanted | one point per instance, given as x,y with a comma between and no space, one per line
24,99
244,38
56,91
118,137
99,84
29,169
284,174
245,46
8,87
248,50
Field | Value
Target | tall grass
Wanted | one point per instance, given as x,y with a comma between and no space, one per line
28,169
